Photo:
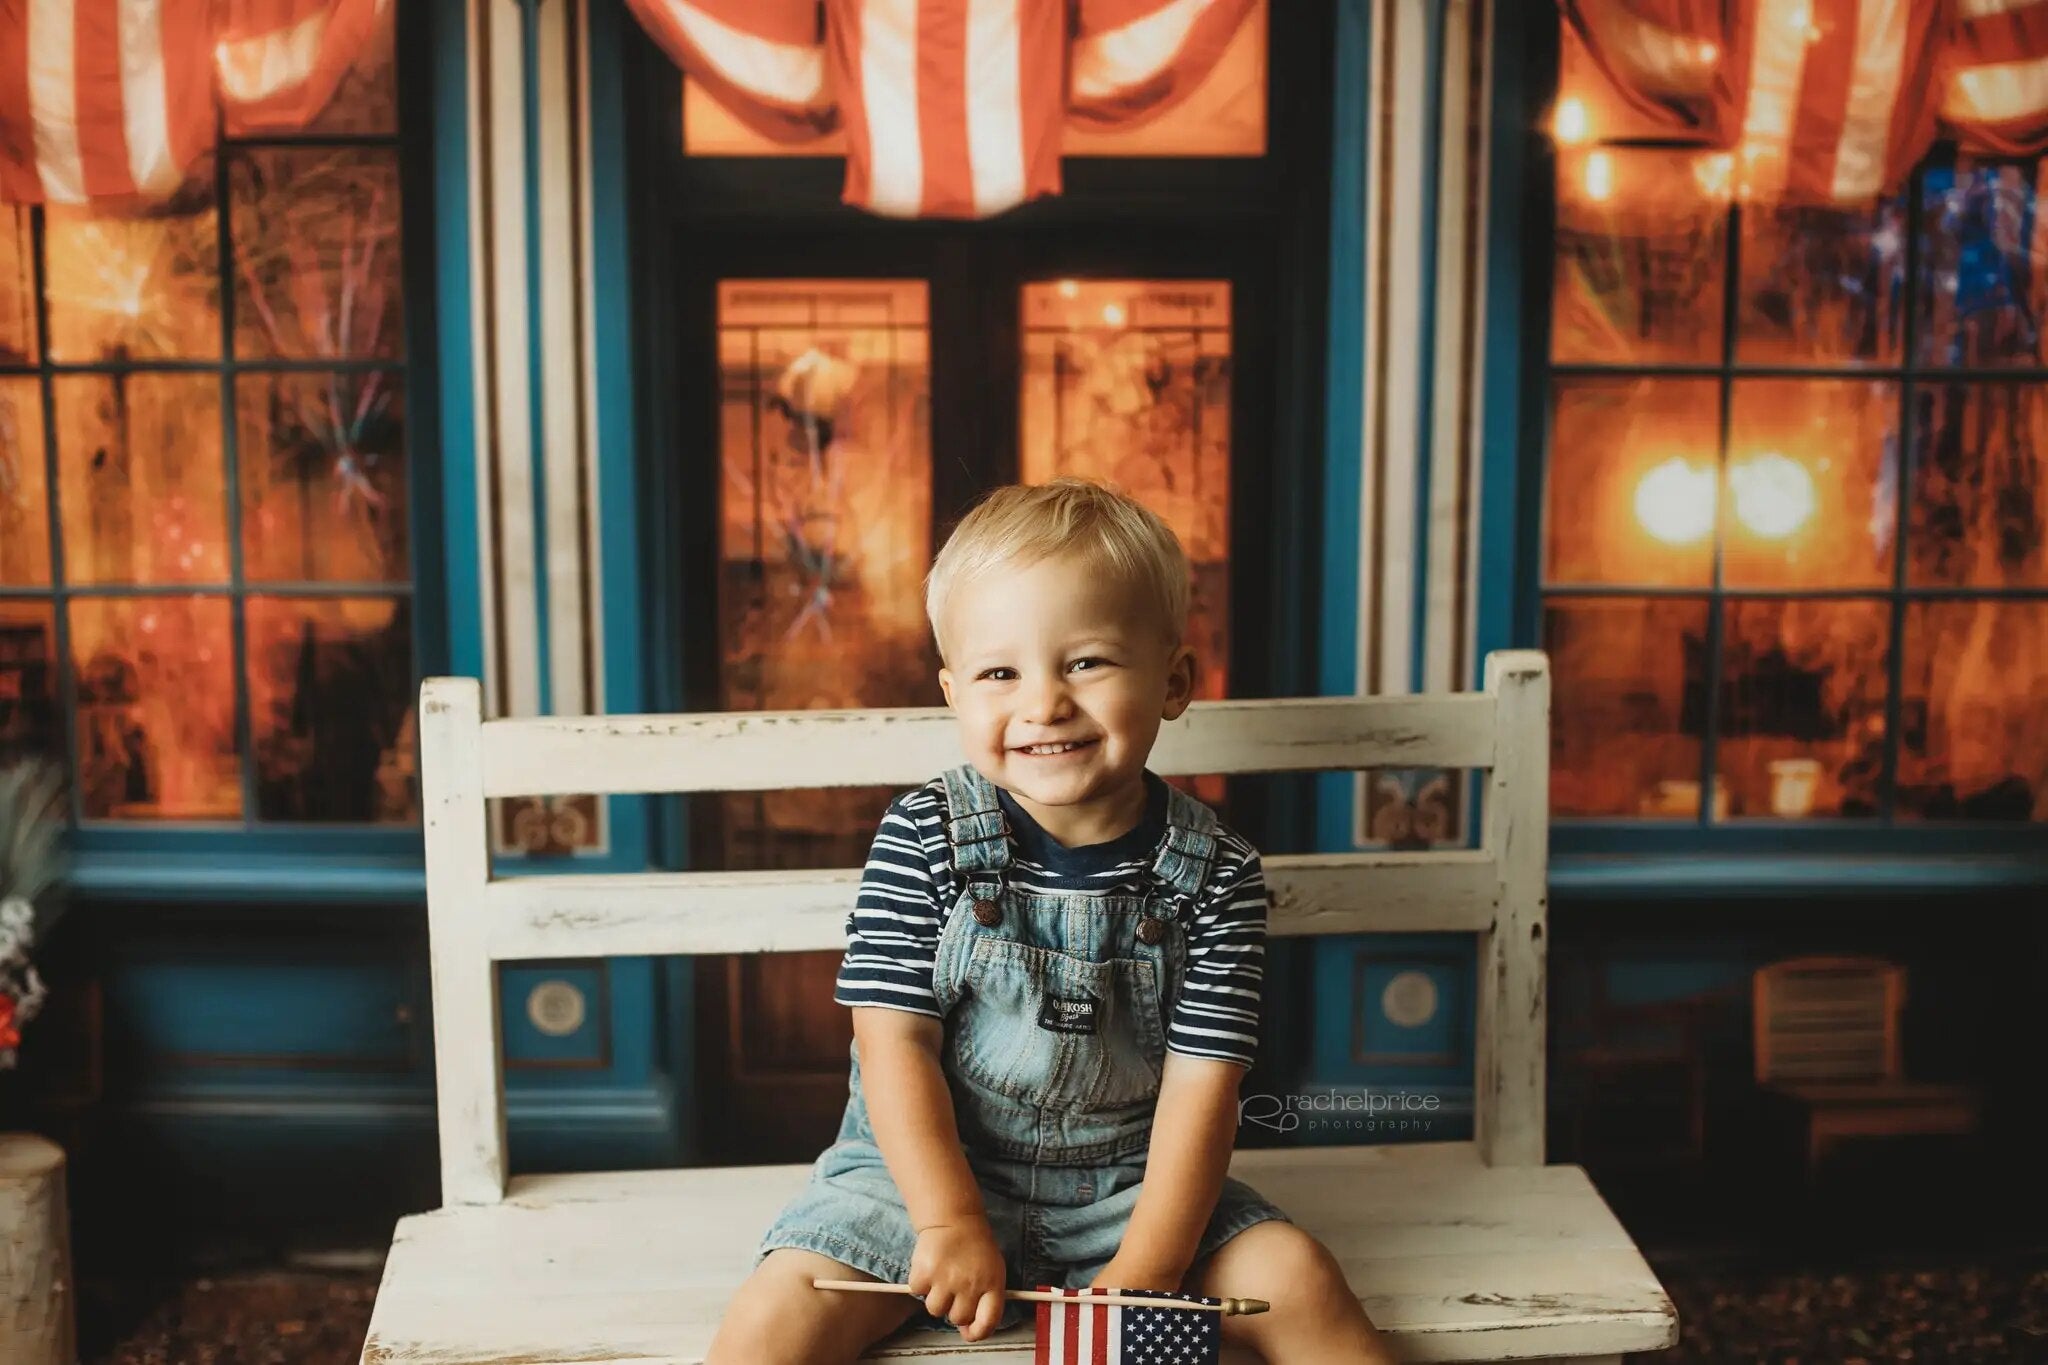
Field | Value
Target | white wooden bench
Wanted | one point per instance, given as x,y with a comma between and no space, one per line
1460,1251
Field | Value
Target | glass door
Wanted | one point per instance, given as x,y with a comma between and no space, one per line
865,395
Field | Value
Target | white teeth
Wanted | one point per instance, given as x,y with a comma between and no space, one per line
1041,750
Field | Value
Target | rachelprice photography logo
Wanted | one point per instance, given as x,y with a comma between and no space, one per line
1342,1111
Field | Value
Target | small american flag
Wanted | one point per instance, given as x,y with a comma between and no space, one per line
1084,1333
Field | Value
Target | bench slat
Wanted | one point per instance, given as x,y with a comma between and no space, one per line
906,745
1454,1260
658,913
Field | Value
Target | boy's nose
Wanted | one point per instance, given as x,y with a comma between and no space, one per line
1048,702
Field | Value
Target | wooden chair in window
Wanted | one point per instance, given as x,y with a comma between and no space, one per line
1827,1040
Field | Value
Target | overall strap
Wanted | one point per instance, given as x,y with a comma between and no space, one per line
977,834
1189,849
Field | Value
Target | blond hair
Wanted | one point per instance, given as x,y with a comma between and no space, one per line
1020,524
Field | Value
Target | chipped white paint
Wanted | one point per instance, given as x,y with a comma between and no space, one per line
905,745
804,910
1456,1261
469,1080
1509,1058
1460,1251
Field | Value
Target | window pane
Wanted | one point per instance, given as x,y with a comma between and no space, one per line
1625,738
1973,729
330,709
29,723
316,253
156,708
1983,269
1980,486
1822,286
1801,730
143,285
24,486
1129,381
1811,483
366,100
143,484
825,514
1631,488
1641,257
323,470
17,285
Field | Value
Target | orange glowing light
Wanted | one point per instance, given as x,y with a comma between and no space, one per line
1113,314
1715,174
1675,501
1571,125
1599,177
1774,494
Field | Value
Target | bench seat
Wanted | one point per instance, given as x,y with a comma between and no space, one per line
1455,1260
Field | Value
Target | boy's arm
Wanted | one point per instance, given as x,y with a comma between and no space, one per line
1212,1043
1194,1128
886,979
911,1110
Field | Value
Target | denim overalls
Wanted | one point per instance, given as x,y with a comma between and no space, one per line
1056,1010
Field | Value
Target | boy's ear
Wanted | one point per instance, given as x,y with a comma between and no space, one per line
1181,671
946,684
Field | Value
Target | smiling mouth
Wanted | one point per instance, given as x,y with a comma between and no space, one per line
1053,750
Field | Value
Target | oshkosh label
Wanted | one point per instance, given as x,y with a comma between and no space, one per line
1062,1015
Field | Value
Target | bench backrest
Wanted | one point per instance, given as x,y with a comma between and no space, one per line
1496,891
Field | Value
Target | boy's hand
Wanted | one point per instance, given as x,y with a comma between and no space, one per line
958,1270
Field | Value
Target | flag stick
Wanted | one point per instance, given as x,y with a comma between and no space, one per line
1227,1307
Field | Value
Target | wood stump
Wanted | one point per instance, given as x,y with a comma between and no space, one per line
37,1318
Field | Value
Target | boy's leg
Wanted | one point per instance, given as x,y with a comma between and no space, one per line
1314,1314
778,1318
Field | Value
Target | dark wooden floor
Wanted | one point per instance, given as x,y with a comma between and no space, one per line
1993,1312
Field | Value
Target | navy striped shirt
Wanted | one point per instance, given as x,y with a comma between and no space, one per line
892,935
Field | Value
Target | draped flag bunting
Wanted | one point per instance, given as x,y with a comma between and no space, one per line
113,99
1827,101
951,108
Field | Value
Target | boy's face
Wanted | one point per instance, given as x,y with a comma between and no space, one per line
1060,676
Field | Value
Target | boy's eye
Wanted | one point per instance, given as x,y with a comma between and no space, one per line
997,673
1091,659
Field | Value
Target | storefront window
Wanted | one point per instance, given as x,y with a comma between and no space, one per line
1795,507
205,560
825,530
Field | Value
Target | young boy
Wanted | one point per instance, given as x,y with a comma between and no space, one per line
1054,968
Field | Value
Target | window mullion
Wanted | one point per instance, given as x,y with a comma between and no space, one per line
1905,455
60,615
238,632
1710,671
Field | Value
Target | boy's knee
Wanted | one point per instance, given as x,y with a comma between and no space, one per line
1299,1267
777,1315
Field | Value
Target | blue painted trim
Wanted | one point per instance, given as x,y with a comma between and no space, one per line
298,878
462,549
1518,234
1656,878
1343,472
1425,342
547,1117
618,437
1343,414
